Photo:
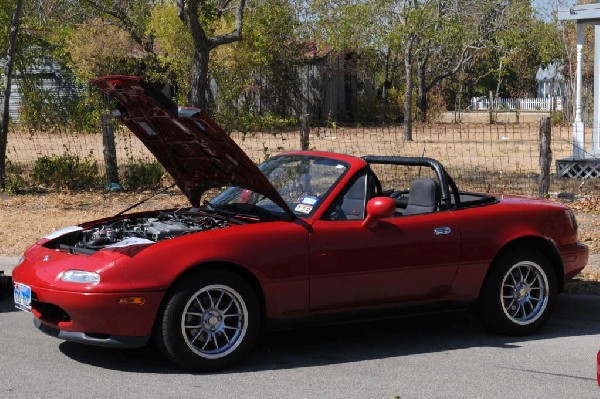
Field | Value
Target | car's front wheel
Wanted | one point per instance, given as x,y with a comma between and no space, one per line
210,322
519,293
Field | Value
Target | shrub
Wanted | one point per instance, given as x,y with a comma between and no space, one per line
66,171
142,175
245,121
14,179
557,118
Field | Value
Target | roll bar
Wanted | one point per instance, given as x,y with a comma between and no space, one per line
446,181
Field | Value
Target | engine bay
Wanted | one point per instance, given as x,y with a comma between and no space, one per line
147,229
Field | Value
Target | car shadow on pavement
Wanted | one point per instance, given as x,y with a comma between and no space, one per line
575,315
7,305
319,345
140,360
583,287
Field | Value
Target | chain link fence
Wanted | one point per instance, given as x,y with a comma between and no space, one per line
501,158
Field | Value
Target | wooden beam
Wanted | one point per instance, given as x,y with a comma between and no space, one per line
585,13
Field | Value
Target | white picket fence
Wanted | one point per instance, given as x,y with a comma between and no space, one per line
517,104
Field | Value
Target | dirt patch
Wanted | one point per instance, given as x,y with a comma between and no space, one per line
25,218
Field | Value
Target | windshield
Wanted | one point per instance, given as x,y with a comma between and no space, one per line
302,181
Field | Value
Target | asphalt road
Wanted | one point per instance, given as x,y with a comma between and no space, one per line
447,356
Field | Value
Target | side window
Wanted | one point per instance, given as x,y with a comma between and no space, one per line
351,204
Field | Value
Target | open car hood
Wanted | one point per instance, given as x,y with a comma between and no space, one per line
195,151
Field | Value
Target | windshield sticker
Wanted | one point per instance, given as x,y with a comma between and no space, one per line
309,200
339,166
61,232
302,208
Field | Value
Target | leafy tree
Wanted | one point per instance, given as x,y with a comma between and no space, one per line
198,16
262,70
451,41
99,48
173,42
426,37
515,46
129,15
7,85
262,66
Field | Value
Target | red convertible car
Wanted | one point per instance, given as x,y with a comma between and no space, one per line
304,237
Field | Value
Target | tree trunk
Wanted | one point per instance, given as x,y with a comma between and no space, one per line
10,54
386,76
408,95
499,83
199,82
422,93
189,13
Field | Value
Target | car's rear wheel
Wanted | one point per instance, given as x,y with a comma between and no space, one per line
210,322
519,293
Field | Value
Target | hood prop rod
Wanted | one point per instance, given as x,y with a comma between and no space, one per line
162,190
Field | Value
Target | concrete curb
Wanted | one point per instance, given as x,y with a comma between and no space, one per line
7,264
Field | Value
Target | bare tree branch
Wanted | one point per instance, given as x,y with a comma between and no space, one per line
464,58
120,15
236,34
189,10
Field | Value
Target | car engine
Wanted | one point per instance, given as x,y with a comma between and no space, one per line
163,226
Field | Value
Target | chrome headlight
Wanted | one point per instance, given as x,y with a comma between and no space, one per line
79,276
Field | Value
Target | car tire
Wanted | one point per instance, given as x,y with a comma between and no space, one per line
519,293
209,322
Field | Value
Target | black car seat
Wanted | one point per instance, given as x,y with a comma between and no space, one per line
424,196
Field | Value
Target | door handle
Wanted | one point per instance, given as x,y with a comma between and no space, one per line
439,231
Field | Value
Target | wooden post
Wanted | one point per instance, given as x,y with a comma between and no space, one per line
305,132
545,156
110,154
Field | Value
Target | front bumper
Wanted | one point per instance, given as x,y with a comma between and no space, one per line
574,257
112,341
95,318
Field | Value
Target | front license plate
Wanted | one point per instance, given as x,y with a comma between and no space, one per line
22,297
